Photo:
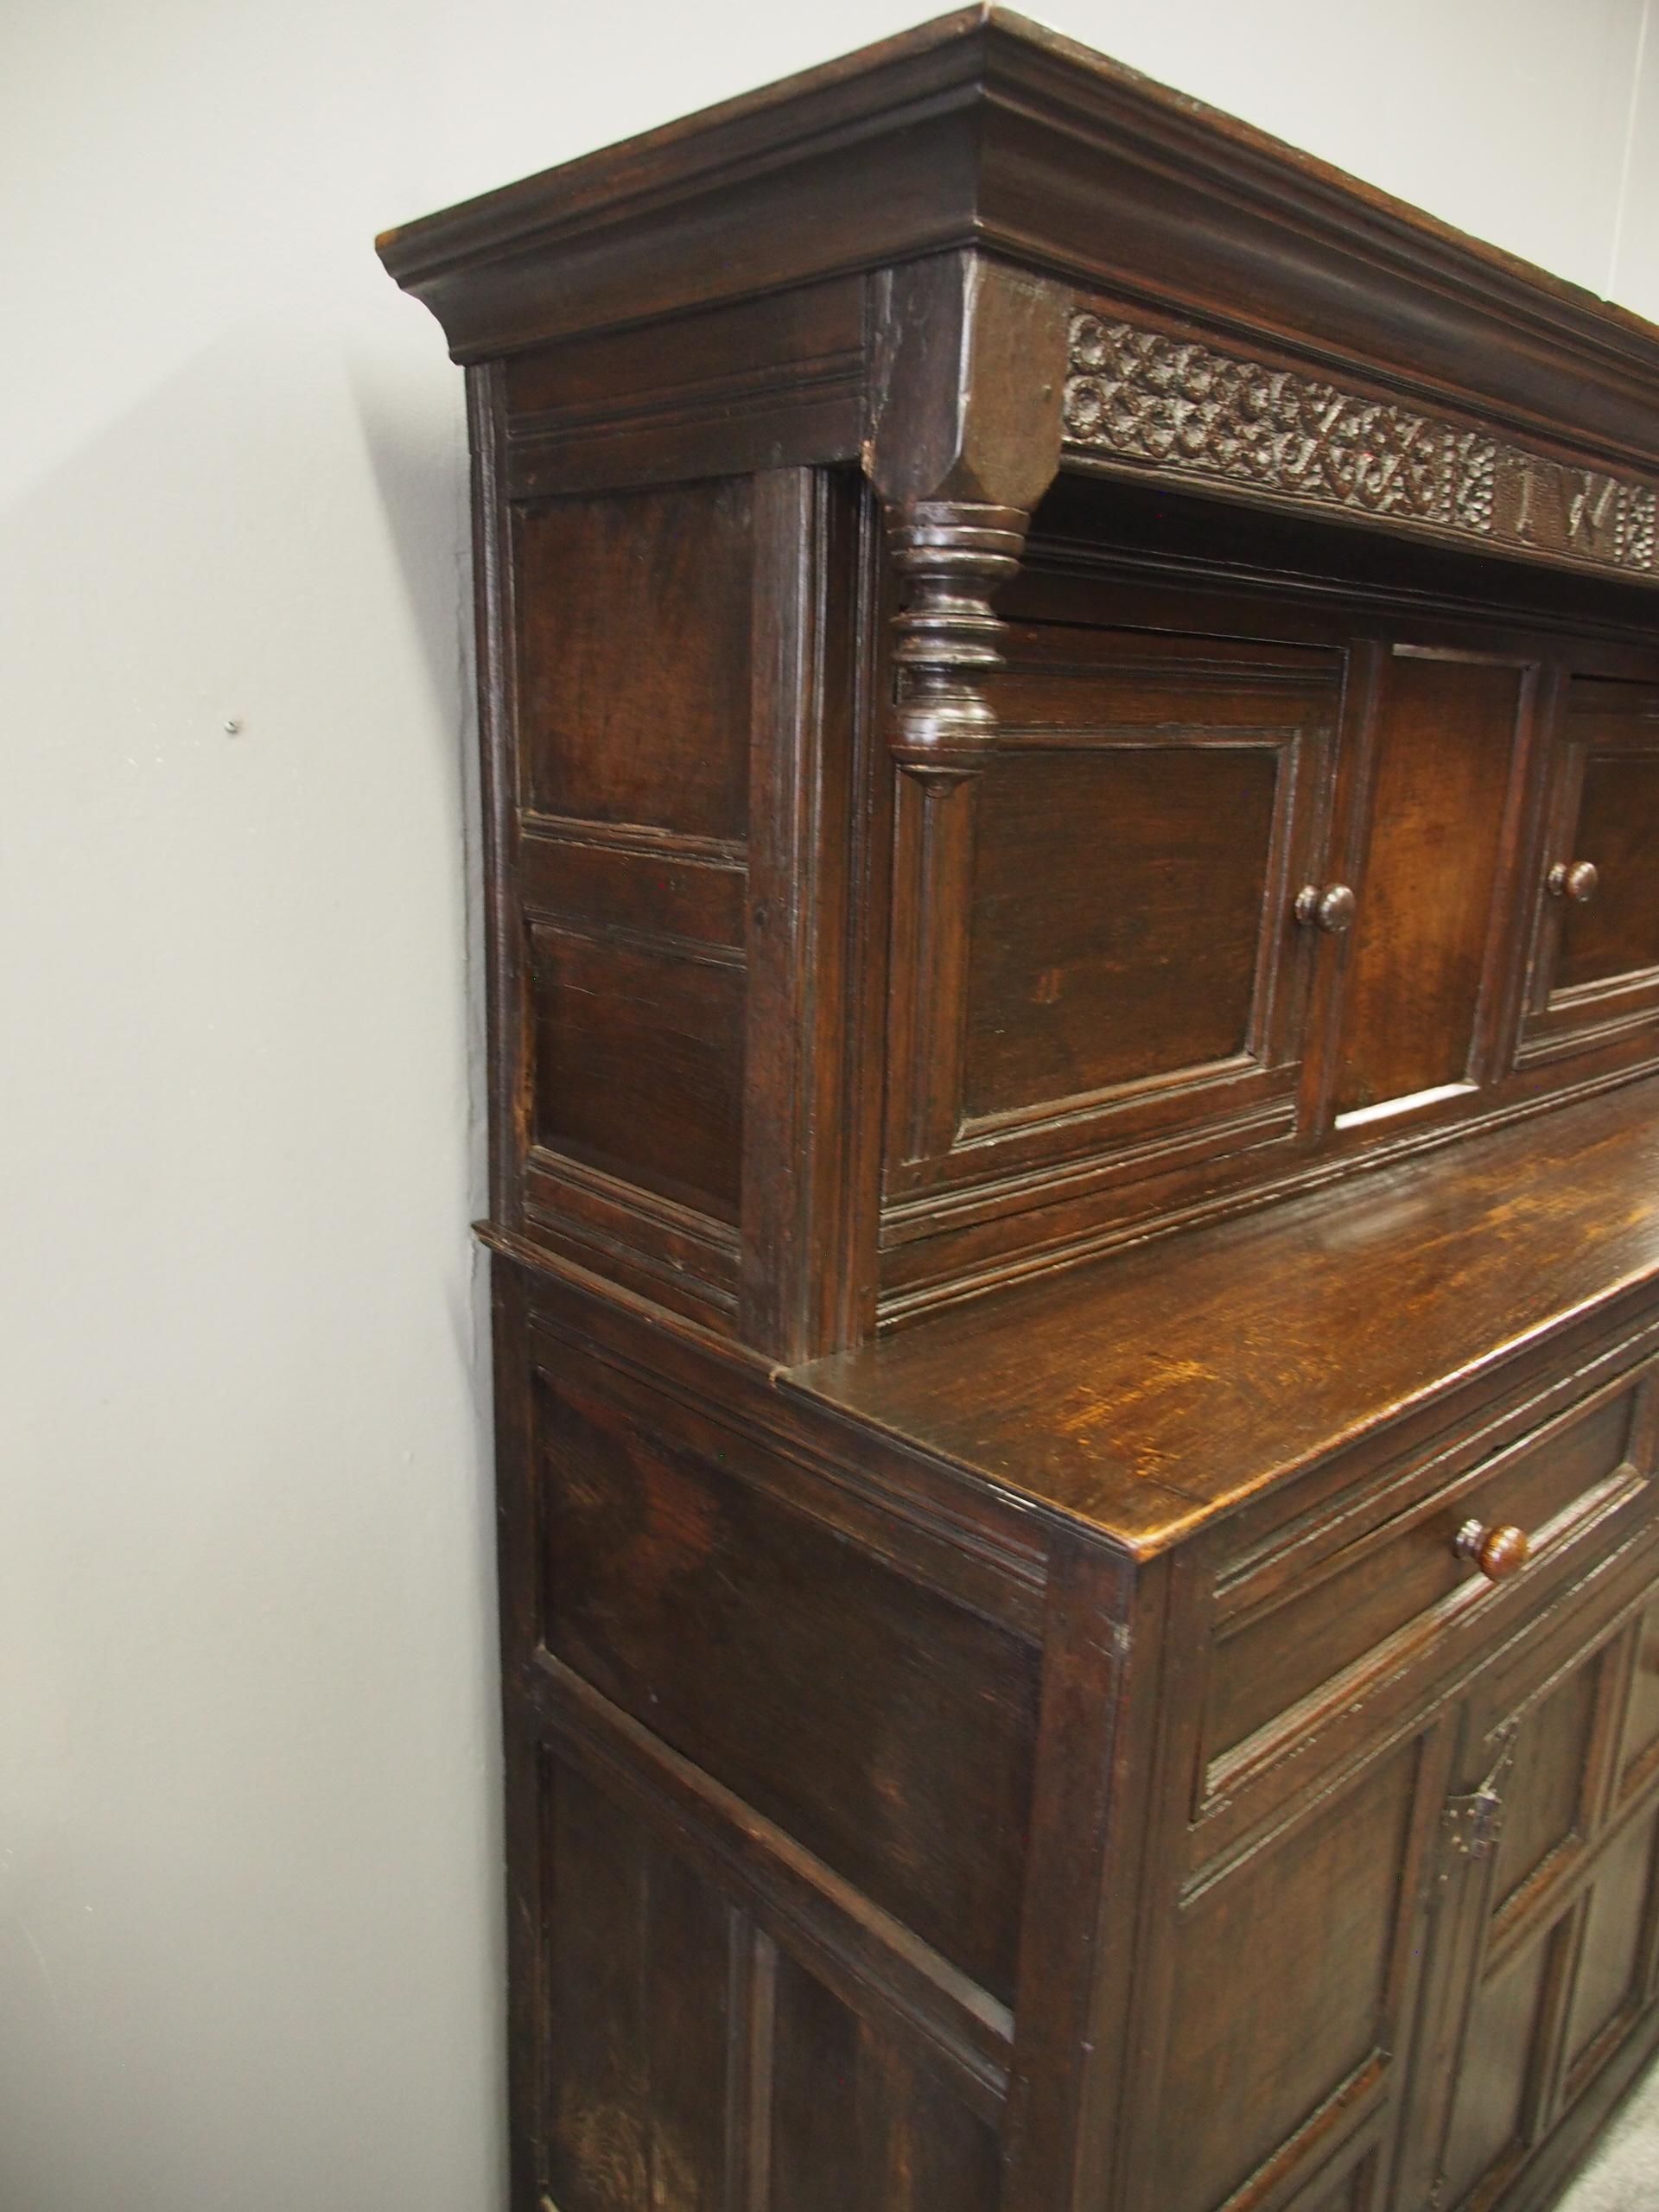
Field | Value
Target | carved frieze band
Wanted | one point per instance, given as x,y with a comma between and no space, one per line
1144,395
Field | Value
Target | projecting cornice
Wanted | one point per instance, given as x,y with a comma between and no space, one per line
1242,318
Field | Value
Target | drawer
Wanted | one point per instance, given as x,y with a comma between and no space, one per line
1303,1635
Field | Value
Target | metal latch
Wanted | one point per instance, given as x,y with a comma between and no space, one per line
1473,1823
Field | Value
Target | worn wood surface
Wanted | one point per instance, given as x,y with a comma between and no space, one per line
984,128
1149,1393
1069,706
1094,1029
1424,941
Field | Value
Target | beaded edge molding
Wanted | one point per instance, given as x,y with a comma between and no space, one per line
1143,395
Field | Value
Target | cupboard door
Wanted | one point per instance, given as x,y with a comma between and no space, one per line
1096,955
1545,1942
1425,971
1595,965
1290,1974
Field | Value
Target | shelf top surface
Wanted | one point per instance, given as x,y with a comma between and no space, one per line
1158,1389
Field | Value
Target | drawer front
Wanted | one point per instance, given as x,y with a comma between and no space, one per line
1306,1634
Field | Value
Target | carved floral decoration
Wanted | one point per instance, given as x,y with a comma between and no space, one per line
1144,396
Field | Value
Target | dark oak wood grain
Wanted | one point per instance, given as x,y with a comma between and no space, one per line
1081,920
1373,1587
1424,936
1069,704
884,1725
1109,1387
1322,1911
633,657
1615,928
983,126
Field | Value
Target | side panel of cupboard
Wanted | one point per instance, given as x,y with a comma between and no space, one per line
676,698
623,808
771,1749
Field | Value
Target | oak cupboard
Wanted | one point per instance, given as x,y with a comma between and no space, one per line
1071,713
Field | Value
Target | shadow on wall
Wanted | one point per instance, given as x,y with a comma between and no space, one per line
249,1895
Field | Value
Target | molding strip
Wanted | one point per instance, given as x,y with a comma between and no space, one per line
1181,408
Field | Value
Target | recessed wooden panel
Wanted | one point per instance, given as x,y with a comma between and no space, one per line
637,1058
695,2066
1125,918
1517,1922
1282,1972
1443,750
1352,2195
883,1726
1095,976
756,385
633,657
1545,1785
816,2161
1611,1963
1617,932
1642,1714
591,378
1595,970
1494,2073
1117,917
638,1960
857,2124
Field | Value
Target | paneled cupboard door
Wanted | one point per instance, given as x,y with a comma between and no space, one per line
1284,1999
1099,957
1594,974
1438,777
1544,1955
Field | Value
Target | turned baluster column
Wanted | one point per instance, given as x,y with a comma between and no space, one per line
965,439
951,555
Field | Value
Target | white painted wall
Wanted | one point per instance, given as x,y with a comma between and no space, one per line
248,1898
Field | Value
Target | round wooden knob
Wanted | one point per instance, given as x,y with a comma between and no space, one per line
1576,881
1331,908
1499,1552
